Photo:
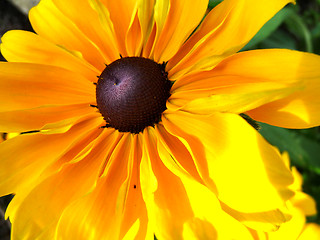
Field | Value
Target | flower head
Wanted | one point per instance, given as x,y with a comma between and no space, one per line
129,120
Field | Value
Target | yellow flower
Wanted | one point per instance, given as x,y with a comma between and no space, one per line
300,206
174,157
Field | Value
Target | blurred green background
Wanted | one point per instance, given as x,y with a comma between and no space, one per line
295,27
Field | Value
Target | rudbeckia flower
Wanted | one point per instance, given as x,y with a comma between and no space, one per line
129,120
300,206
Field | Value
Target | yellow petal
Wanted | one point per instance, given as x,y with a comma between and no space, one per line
287,80
134,40
258,234
133,231
291,229
37,214
63,32
268,221
240,83
22,46
170,144
77,152
140,28
175,20
162,193
145,11
301,200
36,118
235,99
226,29
305,203
278,66
91,218
26,156
260,220
122,13
178,206
25,85
96,24
199,229
235,154
299,110
130,196
160,13
310,232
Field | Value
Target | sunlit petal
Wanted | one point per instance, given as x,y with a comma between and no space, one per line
226,29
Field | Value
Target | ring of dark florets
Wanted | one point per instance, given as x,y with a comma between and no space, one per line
132,92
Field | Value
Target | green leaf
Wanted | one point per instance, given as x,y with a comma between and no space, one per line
296,25
316,31
279,39
304,152
269,27
213,3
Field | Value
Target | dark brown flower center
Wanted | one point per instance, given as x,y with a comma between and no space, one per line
132,93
